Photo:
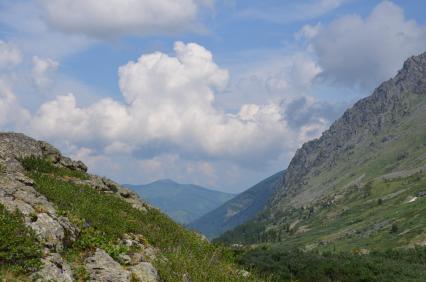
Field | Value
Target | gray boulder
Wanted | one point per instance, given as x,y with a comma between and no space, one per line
102,268
144,272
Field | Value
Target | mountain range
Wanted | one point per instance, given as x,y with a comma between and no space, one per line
184,203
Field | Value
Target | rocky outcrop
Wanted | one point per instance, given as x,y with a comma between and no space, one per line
102,268
54,269
17,193
54,231
144,272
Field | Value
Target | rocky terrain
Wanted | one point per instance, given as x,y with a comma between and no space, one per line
17,192
82,227
348,187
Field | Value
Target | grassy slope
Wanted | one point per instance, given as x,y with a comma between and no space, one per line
183,252
400,147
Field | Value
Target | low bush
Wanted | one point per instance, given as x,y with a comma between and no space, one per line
43,166
19,249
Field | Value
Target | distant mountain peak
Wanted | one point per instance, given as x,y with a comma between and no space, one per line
166,181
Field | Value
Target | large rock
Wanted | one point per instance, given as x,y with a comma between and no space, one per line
54,269
144,272
102,268
14,146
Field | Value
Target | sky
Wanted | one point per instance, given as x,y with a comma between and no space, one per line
218,93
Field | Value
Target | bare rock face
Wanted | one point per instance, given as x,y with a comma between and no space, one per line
102,268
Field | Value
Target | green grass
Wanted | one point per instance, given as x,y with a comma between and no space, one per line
20,251
110,217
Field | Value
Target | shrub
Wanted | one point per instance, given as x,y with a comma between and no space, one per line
44,166
394,228
19,248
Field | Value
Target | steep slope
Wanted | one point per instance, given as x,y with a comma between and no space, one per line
352,185
239,209
60,223
184,203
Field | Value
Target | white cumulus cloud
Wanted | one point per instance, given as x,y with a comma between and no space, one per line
109,18
169,108
356,51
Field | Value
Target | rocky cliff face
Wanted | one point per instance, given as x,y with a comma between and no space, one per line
390,103
54,231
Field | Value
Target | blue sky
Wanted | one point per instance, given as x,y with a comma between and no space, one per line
217,93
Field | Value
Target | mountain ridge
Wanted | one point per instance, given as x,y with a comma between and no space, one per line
182,202
239,209
380,134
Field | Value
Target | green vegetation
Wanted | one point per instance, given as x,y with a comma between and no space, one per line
295,265
335,186
105,218
380,215
44,166
20,251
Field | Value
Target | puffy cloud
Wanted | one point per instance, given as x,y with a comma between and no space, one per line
42,69
169,109
62,118
364,51
9,55
109,18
